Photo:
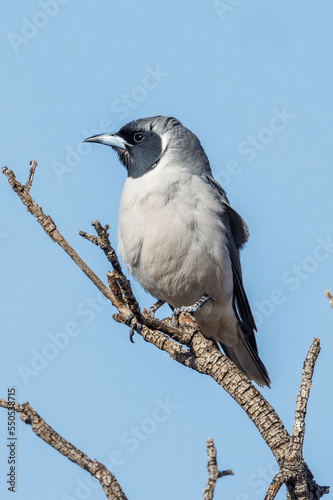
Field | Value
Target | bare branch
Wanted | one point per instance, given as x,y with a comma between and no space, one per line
330,298
28,184
107,480
303,396
104,243
50,228
275,485
294,472
213,473
187,346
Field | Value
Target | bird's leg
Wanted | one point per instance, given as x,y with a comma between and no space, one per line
135,326
151,311
191,309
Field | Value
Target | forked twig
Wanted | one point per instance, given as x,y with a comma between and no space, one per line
294,472
213,473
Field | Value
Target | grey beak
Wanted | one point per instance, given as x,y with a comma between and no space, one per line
109,140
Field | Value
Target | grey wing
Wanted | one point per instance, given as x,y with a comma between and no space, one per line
239,228
239,234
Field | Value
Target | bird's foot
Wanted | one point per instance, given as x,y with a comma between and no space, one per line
135,326
151,311
190,309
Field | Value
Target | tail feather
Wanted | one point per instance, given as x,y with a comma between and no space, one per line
247,360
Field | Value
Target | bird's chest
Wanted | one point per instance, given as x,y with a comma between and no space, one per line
153,216
166,231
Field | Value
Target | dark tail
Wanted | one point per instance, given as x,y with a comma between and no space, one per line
246,358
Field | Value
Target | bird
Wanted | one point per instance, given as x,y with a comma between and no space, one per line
179,236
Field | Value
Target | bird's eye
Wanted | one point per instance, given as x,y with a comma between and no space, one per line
138,137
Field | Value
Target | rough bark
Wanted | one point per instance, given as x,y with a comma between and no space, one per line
186,345
213,473
107,480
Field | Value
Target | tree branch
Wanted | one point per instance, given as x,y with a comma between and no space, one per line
50,228
213,473
294,472
187,346
28,184
303,396
330,298
107,480
275,485
103,242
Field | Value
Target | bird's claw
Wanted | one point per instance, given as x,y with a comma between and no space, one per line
190,309
151,311
135,326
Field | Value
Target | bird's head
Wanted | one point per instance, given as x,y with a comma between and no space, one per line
141,144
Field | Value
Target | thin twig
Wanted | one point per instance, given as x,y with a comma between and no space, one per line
104,242
330,298
107,480
213,473
28,184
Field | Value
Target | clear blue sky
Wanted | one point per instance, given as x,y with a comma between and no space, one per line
254,82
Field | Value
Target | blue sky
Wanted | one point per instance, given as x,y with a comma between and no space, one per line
254,81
